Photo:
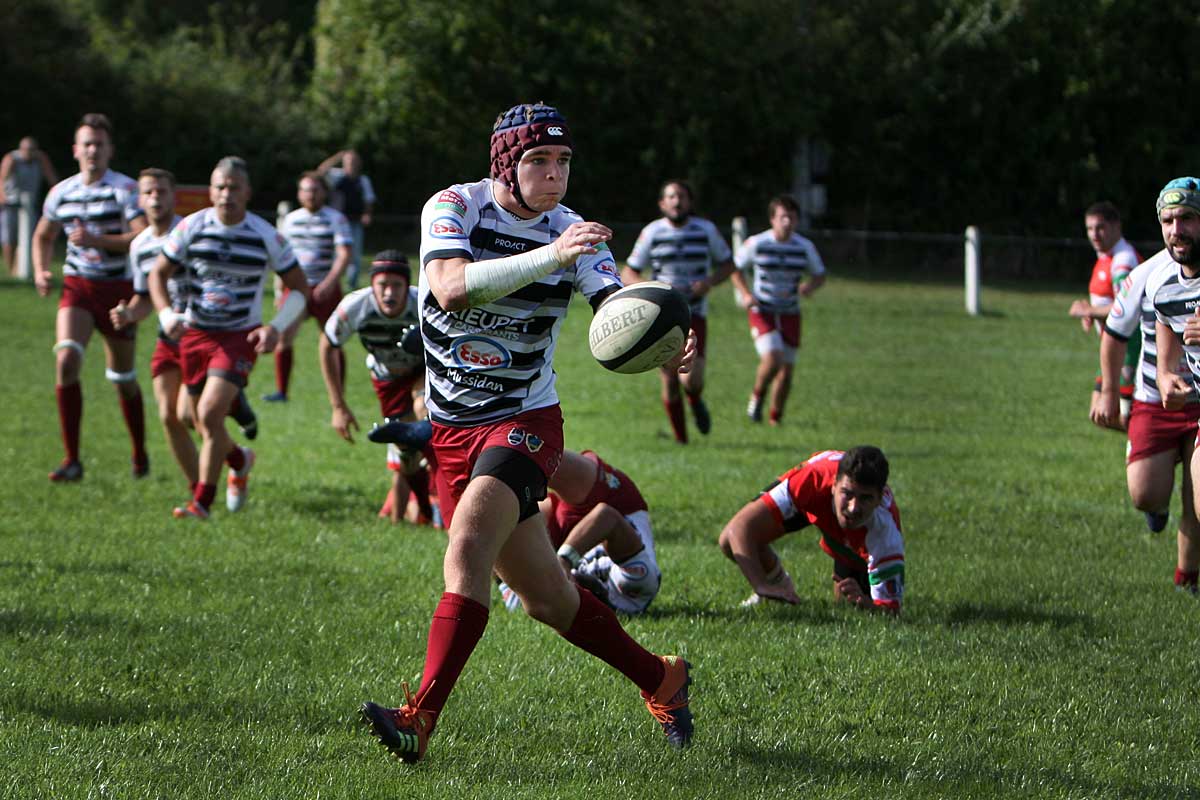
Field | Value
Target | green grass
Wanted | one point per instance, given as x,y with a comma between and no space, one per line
1042,652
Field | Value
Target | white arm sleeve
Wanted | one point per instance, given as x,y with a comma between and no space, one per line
492,279
289,312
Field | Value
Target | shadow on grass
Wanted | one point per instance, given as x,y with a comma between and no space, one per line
769,612
325,500
69,568
30,623
963,779
993,614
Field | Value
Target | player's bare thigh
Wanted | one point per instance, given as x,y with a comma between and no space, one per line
75,325
527,563
1151,480
484,519
213,403
167,395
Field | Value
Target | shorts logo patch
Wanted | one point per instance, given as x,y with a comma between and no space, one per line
635,570
474,353
453,202
445,228
533,442
516,436
243,366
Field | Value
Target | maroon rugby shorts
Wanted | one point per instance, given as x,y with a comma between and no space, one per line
98,298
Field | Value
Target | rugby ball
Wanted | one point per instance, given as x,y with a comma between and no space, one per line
639,327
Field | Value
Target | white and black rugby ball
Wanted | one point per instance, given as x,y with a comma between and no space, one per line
639,327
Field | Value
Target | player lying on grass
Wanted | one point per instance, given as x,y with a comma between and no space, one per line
845,495
599,523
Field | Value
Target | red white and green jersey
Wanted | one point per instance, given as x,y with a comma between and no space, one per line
104,207
803,496
1110,271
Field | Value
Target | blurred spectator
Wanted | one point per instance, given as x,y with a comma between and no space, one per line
353,195
24,174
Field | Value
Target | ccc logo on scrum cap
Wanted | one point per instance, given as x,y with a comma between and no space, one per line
554,130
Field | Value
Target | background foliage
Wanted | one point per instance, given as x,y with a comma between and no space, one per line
1010,114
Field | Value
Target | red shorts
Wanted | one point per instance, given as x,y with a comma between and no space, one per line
395,396
537,434
166,357
700,326
225,354
323,310
98,298
788,325
1153,429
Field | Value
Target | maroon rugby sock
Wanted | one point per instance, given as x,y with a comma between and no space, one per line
678,421
597,630
70,416
1186,579
236,458
457,626
135,421
205,494
283,369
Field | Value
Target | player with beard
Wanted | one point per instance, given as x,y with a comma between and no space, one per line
225,251
384,315
98,210
501,258
689,253
156,196
1177,331
845,495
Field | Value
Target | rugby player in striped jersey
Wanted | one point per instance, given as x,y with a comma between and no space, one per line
688,252
225,252
845,495
787,268
320,238
500,260
98,209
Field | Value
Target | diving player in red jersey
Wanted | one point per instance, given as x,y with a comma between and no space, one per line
845,495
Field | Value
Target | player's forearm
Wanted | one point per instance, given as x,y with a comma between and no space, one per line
332,373
814,282
138,308
721,273
43,249
1112,357
157,282
596,527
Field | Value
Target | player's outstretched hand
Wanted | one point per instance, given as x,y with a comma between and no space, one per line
580,238
43,281
344,423
682,362
264,338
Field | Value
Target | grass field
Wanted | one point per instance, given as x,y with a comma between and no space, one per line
1043,651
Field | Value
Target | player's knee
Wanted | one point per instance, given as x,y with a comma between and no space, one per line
1148,497
552,608
68,354
126,382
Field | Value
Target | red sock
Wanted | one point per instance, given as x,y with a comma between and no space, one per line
457,626
70,416
597,630
1186,579
205,494
192,487
135,421
236,458
678,422
283,369
776,415
418,482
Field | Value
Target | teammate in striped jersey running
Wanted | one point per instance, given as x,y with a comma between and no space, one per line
98,209
845,495
500,261
225,252
787,267
689,253
156,196
384,315
320,237
1177,334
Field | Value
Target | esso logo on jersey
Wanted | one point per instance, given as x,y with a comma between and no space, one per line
445,228
554,130
474,353
217,299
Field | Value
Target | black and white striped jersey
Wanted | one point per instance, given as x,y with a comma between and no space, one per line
105,207
778,269
314,237
359,312
143,252
487,363
226,268
680,256
1176,299
1132,309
